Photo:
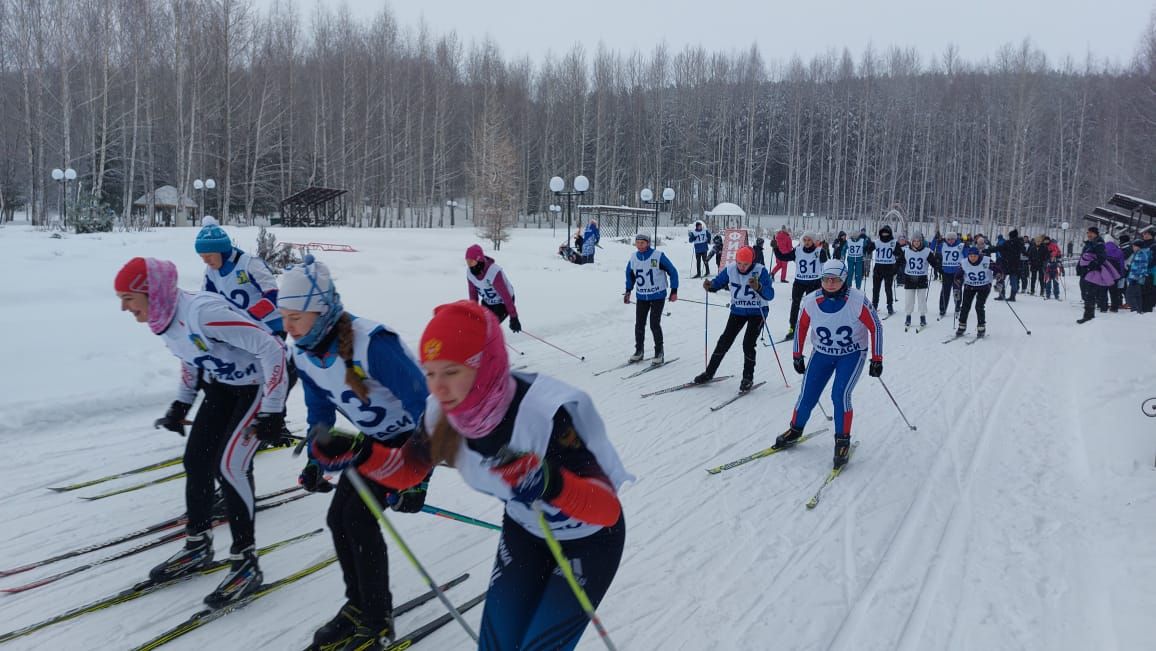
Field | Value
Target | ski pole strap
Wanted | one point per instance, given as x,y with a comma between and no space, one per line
568,572
375,507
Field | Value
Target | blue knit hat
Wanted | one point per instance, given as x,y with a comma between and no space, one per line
213,238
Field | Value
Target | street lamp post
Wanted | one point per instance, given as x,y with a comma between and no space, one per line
452,204
63,177
649,199
201,186
558,186
554,210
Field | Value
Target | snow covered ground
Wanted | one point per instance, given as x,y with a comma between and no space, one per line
1018,516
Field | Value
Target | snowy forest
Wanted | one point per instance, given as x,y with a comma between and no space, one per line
135,94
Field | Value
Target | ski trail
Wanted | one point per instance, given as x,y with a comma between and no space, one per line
912,528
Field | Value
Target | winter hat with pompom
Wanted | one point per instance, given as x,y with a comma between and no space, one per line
212,238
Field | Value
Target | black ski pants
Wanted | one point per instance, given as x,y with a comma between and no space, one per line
361,550
754,324
221,447
1093,295
799,289
700,260
946,292
652,310
882,274
499,310
979,296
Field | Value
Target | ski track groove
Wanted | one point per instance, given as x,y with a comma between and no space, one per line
905,536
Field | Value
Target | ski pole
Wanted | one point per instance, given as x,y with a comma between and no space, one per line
705,329
450,515
884,384
568,572
775,349
824,410
534,336
691,300
514,349
1017,316
375,507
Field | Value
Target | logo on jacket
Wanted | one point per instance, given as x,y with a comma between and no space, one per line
199,343
653,264
242,277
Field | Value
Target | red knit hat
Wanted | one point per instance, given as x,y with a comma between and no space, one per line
133,277
456,333
745,255
475,253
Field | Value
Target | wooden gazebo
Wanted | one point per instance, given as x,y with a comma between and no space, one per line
314,206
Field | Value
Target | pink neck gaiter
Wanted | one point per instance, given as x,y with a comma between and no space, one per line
493,389
162,293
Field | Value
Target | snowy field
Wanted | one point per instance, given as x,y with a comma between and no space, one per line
1020,515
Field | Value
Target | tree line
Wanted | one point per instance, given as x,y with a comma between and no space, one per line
135,94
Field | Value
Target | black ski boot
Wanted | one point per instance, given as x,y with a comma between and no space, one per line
788,438
375,637
338,630
907,321
636,357
980,332
659,358
842,451
244,578
890,310
198,553
922,322
704,377
959,331
745,384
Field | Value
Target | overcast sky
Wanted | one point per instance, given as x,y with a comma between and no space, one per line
1108,28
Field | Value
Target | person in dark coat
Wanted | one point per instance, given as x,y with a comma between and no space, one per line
1037,256
1096,274
1009,261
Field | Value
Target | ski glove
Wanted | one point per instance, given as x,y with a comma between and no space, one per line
312,479
674,296
530,479
755,284
174,418
626,298
876,368
268,427
800,365
410,500
515,324
335,451
706,285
